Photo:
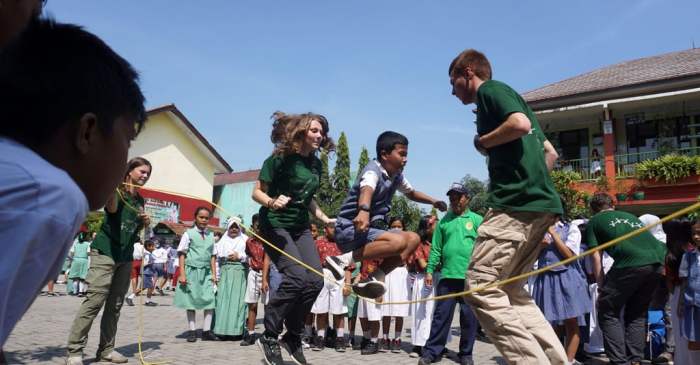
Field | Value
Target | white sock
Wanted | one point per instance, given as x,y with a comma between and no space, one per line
190,319
321,333
208,315
397,334
386,336
374,339
83,286
365,334
340,332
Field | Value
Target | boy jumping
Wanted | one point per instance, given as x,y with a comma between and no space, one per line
362,224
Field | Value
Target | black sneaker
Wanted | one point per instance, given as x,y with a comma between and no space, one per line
294,349
467,360
248,339
209,336
191,336
384,344
318,343
270,349
369,288
425,361
340,344
370,348
151,304
395,345
416,352
337,265
356,344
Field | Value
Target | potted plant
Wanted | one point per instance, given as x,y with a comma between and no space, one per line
621,193
668,169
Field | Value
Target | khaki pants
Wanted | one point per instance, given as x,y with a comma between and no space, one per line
508,245
108,282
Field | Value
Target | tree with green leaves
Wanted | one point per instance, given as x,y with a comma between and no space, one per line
407,210
341,175
364,160
479,194
324,197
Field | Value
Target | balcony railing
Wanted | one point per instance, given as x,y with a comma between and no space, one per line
624,163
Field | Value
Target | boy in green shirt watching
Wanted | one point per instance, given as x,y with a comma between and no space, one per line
453,241
630,282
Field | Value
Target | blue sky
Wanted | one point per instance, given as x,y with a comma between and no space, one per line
368,66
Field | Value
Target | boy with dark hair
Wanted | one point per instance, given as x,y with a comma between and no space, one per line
362,224
69,107
524,204
630,282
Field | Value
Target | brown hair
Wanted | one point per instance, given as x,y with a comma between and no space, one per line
473,59
289,132
136,162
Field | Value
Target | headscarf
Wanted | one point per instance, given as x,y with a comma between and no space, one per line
237,241
657,231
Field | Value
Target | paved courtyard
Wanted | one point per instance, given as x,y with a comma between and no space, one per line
40,337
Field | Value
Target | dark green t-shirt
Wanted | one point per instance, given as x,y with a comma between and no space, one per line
120,229
518,175
297,177
637,251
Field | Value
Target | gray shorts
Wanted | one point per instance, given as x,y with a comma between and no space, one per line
348,240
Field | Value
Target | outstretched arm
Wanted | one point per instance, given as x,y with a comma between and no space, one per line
420,197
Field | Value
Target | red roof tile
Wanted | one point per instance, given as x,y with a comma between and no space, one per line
236,177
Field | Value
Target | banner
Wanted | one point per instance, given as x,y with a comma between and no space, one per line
162,211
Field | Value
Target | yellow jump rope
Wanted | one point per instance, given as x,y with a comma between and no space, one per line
494,284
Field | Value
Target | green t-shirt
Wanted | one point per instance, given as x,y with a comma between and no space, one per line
297,177
120,229
518,175
637,251
453,243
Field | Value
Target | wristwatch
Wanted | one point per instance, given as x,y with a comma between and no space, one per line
364,207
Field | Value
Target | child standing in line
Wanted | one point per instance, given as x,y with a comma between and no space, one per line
171,281
370,314
197,274
333,297
230,300
562,292
253,294
361,228
150,273
422,313
689,303
160,264
79,264
353,304
397,290
135,275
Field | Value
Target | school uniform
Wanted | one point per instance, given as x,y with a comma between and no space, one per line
137,261
330,299
397,290
79,263
150,274
160,256
562,292
41,209
690,270
230,305
256,254
198,293
421,313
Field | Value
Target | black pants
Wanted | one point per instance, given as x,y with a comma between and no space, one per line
631,288
299,287
442,321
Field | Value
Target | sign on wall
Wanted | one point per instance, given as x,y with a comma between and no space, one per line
162,211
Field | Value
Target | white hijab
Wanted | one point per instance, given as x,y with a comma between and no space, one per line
228,244
657,231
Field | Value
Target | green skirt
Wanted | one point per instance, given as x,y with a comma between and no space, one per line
199,291
231,309
79,268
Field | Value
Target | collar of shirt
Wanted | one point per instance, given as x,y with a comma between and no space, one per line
383,170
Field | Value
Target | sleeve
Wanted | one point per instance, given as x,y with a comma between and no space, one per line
683,269
215,250
435,250
501,101
405,187
241,250
591,239
184,244
269,167
573,240
369,178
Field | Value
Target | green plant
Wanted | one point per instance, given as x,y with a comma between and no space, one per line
669,168
576,201
602,183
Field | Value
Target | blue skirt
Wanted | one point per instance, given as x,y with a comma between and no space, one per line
562,294
691,322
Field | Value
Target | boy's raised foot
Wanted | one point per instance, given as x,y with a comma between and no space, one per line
270,349
337,264
369,288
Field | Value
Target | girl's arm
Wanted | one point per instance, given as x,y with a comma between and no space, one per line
318,213
265,274
212,263
597,268
181,260
422,263
260,196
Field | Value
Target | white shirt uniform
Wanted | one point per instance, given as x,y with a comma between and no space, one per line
41,209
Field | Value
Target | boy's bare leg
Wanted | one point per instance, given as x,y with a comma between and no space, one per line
388,244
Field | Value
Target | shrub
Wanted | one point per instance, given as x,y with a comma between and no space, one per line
669,168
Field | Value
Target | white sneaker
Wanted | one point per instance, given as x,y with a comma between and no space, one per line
337,264
74,360
371,288
113,357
